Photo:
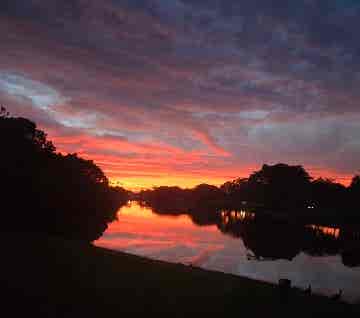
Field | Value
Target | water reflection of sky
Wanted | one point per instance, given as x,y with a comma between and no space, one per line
178,239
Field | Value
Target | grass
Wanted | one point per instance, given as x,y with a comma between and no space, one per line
49,277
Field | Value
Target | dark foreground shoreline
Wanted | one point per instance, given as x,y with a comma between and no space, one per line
51,277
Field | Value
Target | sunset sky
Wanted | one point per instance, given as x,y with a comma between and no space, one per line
188,91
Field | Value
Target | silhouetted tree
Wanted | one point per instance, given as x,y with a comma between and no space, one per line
206,195
278,186
327,194
238,192
47,192
354,192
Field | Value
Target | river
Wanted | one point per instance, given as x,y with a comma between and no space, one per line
237,244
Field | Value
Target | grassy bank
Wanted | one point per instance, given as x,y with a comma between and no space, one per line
55,278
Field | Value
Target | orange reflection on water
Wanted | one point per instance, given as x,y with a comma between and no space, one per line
141,231
330,231
138,213
236,216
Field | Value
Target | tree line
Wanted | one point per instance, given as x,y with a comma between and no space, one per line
281,187
284,186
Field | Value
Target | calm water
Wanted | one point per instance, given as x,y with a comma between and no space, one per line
237,244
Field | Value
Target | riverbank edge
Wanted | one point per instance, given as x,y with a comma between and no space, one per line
68,278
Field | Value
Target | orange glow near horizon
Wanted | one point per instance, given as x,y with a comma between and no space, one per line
142,183
188,181
342,178
162,165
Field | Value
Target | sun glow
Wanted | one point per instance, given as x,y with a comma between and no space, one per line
140,183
